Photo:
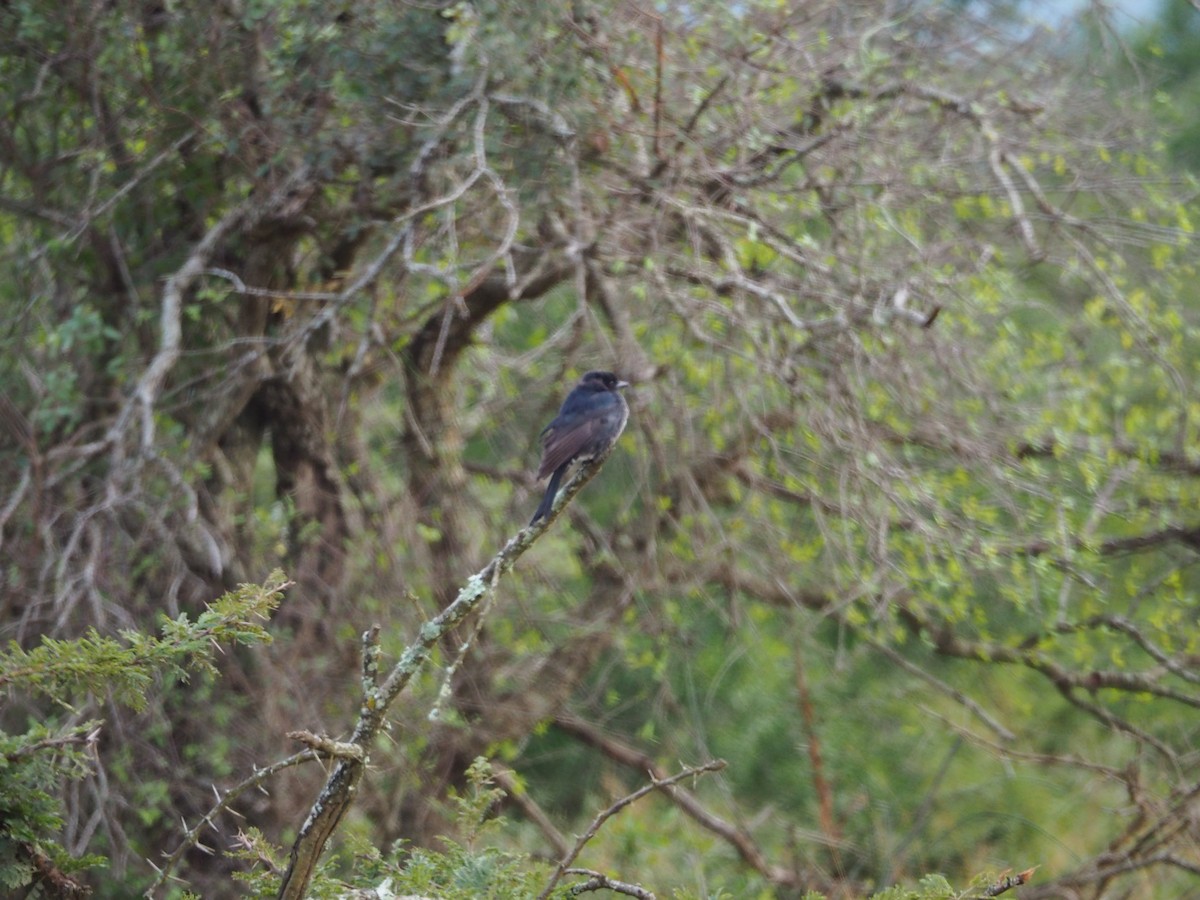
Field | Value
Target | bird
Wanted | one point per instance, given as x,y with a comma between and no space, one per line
587,425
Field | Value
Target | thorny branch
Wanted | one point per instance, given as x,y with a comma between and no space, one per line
734,835
191,837
593,829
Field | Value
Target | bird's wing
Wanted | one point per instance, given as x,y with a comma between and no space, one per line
564,442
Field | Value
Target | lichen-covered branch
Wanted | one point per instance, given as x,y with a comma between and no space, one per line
339,791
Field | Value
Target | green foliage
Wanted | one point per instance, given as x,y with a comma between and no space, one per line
1166,50
467,870
931,887
126,666
35,765
972,539
33,769
471,868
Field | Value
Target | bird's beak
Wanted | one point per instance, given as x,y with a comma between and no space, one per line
622,384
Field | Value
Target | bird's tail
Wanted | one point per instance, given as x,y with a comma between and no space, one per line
543,509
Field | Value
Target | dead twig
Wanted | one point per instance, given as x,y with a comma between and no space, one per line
598,881
593,829
192,837
1006,883
734,835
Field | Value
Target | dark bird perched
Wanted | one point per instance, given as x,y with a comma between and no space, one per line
587,425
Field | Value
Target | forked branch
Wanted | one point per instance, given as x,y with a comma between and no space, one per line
337,795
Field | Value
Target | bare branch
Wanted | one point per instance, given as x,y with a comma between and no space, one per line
337,795
1007,883
737,837
599,882
192,836
146,391
326,747
593,829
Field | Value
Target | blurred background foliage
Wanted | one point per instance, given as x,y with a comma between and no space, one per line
904,526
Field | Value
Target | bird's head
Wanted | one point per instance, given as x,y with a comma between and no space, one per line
602,381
